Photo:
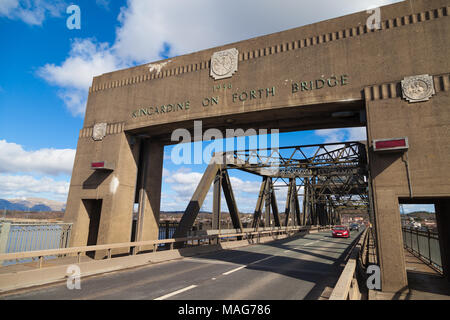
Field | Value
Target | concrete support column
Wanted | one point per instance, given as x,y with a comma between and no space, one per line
442,208
390,242
4,235
150,190
115,188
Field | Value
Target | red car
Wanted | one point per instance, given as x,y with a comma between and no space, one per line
340,232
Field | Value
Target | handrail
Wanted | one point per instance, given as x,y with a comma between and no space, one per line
429,233
423,250
347,286
135,245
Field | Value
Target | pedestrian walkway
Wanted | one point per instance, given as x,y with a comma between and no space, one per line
424,283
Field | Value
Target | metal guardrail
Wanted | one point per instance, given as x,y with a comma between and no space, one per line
425,245
19,237
166,229
136,246
347,287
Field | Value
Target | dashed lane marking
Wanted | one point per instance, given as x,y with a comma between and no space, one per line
234,270
176,292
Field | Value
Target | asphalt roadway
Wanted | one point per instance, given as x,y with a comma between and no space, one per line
296,268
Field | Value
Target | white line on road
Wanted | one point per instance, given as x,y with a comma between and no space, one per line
176,292
234,270
262,259
242,267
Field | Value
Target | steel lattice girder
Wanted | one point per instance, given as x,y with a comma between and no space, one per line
333,176
338,172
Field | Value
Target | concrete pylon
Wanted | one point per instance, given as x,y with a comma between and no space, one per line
149,193
100,202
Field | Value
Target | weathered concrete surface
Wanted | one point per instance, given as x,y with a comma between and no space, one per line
362,71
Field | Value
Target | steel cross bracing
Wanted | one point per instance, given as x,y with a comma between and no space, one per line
327,177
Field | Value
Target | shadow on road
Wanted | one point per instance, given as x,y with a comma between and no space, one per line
313,264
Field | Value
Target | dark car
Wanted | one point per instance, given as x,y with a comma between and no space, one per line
340,232
354,226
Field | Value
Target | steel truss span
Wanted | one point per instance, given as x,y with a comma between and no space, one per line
328,178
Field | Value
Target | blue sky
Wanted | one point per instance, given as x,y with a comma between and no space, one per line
47,70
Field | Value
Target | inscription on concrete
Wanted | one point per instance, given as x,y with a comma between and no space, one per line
321,83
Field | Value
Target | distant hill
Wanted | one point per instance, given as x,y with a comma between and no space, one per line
40,208
7,205
31,204
422,215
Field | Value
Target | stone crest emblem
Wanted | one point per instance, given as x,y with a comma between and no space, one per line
99,131
418,88
224,64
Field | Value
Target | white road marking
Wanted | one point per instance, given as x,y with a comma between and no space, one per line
176,292
242,267
262,259
270,257
234,270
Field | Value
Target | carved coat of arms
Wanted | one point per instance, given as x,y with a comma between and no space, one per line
418,88
99,131
224,64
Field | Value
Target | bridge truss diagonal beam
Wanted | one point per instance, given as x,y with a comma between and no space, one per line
334,177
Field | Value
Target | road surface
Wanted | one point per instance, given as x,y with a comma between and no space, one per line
290,269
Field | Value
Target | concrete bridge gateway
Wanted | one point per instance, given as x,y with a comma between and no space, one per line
395,81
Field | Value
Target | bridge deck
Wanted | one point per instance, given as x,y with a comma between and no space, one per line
292,268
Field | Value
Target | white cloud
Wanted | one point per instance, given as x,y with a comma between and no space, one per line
331,135
149,27
341,135
87,59
247,186
357,134
7,6
183,184
75,100
32,12
14,159
25,186
189,26
408,208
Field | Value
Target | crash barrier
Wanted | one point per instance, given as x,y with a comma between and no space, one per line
135,247
347,287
